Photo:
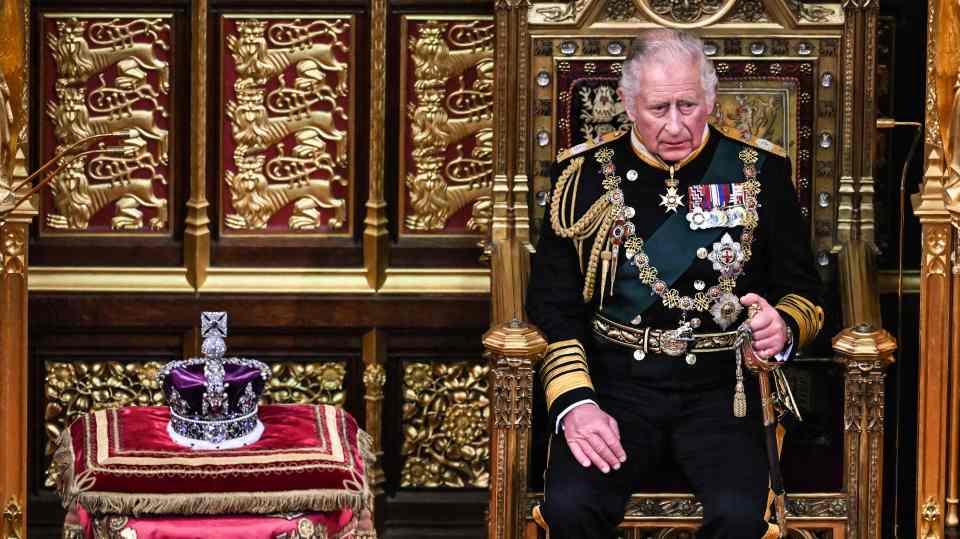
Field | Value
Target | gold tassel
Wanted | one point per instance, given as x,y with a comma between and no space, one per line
739,397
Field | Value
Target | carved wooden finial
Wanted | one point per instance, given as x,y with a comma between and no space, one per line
515,339
863,343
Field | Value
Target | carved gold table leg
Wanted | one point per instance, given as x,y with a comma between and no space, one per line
13,376
866,352
514,347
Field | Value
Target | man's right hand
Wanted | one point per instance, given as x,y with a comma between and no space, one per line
593,437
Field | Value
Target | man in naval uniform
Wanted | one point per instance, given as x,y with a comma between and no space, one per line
656,242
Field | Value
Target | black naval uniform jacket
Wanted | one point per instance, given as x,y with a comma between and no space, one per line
781,270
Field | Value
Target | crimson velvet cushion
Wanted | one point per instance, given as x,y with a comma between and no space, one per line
311,458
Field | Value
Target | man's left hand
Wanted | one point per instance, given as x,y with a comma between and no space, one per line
769,329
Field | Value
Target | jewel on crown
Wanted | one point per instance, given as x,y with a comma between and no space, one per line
213,400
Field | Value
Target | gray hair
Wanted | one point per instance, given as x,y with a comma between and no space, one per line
660,44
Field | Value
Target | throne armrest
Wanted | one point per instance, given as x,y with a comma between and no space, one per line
513,349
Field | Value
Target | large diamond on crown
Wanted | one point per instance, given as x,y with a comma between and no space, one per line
213,399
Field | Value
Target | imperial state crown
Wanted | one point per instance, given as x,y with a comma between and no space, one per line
213,399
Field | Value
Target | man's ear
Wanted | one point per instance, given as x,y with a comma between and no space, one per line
628,104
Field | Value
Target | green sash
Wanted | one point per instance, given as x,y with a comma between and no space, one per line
673,246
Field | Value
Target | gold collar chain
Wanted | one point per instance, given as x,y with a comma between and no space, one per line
719,298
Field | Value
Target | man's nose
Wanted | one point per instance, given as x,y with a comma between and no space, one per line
674,126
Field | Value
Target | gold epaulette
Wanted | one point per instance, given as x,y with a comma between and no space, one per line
751,140
590,144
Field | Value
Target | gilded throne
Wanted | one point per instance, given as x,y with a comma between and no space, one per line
787,72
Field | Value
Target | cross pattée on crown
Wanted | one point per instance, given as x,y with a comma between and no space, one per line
213,324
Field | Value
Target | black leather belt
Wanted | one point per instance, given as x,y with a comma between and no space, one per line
670,342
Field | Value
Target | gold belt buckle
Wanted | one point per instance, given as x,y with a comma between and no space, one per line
674,342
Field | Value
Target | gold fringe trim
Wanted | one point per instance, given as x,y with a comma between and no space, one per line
63,459
215,503
73,491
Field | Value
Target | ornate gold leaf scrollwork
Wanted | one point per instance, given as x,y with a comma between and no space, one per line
307,383
126,101
12,249
12,520
688,11
310,107
75,388
930,514
445,417
444,121
374,378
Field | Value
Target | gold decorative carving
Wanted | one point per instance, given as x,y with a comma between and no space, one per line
935,252
564,12
866,353
445,416
266,176
12,520
748,11
8,144
13,249
450,110
196,234
688,13
122,53
374,378
376,234
307,383
75,388
929,515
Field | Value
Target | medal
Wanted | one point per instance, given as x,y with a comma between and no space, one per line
727,257
673,199
726,310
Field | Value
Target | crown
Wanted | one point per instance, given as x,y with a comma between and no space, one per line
213,400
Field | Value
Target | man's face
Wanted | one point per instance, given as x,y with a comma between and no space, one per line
671,108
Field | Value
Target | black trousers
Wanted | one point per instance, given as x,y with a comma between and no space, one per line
723,457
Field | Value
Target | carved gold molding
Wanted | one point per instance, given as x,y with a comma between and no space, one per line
374,380
376,235
398,281
196,235
445,414
100,279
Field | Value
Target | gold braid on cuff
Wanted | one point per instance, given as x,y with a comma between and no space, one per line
564,369
807,315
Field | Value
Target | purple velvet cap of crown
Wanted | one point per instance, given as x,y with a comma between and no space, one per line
188,380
